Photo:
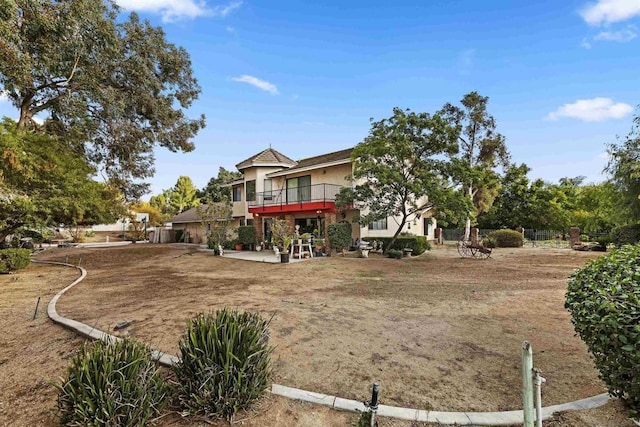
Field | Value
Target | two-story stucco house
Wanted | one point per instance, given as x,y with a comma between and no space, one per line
302,192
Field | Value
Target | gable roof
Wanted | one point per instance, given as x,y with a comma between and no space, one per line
190,215
268,157
335,158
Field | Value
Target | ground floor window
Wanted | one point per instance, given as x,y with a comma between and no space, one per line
313,226
380,224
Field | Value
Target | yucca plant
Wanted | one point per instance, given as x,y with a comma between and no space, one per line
224,363
112,384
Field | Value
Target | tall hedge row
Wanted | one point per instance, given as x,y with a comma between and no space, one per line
604,301
626,235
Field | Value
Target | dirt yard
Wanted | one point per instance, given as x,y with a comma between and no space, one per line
437,331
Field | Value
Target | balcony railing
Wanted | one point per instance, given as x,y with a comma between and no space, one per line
296,196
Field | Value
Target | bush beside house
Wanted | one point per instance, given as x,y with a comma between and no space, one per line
247,236
418,244
339,235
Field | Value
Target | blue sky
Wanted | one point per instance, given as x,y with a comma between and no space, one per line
562,77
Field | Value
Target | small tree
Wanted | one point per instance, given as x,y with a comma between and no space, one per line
398,169
281,233
216,218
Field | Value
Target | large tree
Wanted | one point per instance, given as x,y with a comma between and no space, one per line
214,190
512,205
481,150
114,85
45,181
624,169
399,167
184,195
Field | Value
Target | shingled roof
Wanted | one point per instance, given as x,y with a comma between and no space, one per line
190,215
336,156
266,157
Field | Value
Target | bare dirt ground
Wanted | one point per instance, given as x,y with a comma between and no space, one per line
437,331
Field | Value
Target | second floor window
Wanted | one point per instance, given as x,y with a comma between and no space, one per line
251,191
268,189
380,224
237,193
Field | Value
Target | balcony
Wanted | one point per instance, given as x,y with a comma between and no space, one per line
310,198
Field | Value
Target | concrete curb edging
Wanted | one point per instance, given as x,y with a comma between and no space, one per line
505,418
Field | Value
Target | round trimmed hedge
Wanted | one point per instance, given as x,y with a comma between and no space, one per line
506,238
604,301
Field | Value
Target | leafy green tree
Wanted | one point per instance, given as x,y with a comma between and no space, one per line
398,168
184,195
481,150
214,190
114,85
624,169
595,208
512,206
161,202
155,216
44,181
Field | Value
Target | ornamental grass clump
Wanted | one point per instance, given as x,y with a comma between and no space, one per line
224,363
112,384
604,300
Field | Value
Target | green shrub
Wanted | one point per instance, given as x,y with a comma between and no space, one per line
507,238
246,235
89,233
626,235
395,253
604,301
111,384
224,363
584,238
35,235
489,242
339,235
13,259
419,244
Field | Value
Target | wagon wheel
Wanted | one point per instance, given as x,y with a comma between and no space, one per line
463,248
481,253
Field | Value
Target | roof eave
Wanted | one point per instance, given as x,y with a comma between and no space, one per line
309,168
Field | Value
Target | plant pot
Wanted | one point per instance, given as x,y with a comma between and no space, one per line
284,257
238,247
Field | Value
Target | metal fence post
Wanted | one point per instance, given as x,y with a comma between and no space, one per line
527,384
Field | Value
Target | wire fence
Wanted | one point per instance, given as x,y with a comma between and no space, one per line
532,236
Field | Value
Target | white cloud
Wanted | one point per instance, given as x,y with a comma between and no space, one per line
621,36
592,110
260,84
585,44
224,10
609,11
4,96
172,10
230,30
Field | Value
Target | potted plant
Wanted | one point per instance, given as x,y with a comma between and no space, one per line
284,255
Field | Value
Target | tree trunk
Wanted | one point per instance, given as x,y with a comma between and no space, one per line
467,223
395,236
